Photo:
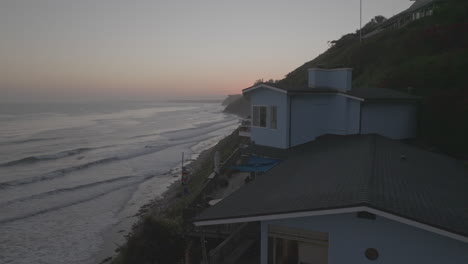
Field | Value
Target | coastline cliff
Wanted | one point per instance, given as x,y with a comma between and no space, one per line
238,105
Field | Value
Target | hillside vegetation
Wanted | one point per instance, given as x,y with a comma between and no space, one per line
239,106
429,55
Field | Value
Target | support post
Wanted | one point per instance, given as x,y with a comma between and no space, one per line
263,243
188,250
203,246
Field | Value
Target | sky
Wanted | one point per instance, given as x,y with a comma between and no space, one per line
67,50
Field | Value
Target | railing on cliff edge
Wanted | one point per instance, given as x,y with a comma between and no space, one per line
211,183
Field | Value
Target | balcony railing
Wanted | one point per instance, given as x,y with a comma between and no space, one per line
244,130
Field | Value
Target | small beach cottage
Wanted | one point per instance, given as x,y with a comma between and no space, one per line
285,116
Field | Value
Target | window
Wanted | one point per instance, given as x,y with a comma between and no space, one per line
290,245
256,116
263,116
273,117
260,116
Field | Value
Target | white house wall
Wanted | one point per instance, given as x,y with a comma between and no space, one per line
392,120
309,117
353,110
349,237
340,79
266,136
344,116
316,115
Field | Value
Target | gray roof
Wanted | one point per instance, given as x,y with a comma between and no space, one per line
359,170
298,88
381,94
364,93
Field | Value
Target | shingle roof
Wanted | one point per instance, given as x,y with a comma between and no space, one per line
364,93
346,171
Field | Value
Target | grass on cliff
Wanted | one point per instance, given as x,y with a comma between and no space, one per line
156,240
430,55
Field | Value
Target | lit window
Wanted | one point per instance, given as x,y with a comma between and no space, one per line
273,117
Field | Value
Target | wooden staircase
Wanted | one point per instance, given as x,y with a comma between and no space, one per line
236,245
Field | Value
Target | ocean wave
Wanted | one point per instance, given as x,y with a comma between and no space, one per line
63,190
34,159
62,172
176,138
126,181
58,207
200,125
54,174
201,131
205,125
144,135
29,140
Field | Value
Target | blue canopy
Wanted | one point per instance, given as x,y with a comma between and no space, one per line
257,164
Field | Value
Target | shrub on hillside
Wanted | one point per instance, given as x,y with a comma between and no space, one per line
155,241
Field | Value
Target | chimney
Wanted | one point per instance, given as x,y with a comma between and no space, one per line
338,79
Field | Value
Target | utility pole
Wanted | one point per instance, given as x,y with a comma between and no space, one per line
182,171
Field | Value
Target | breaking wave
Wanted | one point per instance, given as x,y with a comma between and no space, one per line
32,140
34,159
182,134
205,125
58,191
124,182
62,172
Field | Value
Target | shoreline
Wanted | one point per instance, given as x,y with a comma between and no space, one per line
117,234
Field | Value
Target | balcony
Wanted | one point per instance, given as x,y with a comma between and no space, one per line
244,129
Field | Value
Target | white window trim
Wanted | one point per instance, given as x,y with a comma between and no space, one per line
268,124
356,209
267,115
263,86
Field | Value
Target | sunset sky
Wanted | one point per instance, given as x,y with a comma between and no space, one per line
68,50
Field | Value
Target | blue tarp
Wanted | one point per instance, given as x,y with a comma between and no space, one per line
257,164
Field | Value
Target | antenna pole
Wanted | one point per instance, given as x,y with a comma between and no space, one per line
360,20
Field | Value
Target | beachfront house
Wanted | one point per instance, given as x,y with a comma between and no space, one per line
284,116
418,10
354,199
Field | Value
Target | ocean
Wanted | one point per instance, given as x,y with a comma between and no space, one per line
71,172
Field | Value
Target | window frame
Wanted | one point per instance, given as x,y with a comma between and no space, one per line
258,124
268,117
271,117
